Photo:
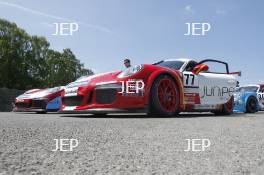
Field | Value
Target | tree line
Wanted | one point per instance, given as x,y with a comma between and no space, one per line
28,62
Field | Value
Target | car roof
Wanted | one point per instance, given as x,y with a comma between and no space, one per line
256,85
180,59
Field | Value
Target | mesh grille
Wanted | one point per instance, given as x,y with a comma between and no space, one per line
105,96
73,101
39,104
22,105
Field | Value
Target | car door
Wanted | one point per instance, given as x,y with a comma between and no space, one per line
216,85
216,88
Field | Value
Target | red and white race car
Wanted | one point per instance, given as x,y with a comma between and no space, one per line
39,100
164,88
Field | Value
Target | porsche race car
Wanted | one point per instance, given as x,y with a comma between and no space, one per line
249,98
39,100
246,99
164,88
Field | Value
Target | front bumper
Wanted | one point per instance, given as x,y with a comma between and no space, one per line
28,110
106,98
36,105
30,105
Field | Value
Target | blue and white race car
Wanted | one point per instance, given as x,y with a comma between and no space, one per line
247,99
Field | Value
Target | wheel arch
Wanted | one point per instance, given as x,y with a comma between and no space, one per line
250,95
177,77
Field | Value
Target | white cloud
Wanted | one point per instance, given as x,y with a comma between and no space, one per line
188,9
35,12
221,12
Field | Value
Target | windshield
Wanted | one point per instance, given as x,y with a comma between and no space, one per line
248,88
171,64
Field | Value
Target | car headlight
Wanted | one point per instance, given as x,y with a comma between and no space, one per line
130,71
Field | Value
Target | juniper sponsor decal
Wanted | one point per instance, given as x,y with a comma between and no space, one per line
217,91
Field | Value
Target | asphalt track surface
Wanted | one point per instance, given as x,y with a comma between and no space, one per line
131,144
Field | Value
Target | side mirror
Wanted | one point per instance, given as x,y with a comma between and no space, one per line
199,68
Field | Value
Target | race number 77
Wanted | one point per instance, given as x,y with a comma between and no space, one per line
189,79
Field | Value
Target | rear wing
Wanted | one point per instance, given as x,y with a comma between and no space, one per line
235,73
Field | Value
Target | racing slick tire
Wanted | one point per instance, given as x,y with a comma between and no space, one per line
227,108
164,97
251,105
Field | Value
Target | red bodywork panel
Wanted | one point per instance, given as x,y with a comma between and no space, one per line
148,74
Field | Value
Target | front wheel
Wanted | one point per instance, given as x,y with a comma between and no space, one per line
164,97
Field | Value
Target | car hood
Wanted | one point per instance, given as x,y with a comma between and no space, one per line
33,94
40,93
108,76
94,79
113,77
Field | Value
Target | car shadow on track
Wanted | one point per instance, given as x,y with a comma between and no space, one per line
182,115
35,113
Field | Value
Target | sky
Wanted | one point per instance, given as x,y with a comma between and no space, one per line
147,31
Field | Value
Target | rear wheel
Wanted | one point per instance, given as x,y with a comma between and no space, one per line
227,108
164,97
251,106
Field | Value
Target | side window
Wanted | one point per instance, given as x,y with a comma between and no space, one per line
216,67
190,66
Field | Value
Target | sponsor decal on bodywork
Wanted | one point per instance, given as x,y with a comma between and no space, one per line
192,98
217,91
71,92
261,98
